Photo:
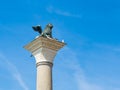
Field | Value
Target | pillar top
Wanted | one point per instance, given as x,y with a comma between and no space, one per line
42,42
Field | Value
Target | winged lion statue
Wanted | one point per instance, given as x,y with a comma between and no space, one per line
47,32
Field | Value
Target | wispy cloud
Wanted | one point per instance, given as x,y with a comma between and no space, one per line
79,75
53,10
83,84
14,72
82,80
18,77
107,47
103,55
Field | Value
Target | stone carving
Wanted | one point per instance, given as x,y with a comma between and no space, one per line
46,43
47,32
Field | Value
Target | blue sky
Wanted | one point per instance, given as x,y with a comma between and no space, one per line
89,61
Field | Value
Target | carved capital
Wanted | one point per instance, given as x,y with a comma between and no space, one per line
42,42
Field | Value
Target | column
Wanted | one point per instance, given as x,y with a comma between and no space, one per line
44,51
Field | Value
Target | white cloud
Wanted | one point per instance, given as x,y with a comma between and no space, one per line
79,75
63,13
83,82
107,47
18,77
14,72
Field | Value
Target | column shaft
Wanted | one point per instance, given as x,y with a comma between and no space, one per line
44,76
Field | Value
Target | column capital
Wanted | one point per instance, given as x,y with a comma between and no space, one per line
44,49
42,42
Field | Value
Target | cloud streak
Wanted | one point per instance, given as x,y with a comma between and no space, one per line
79,75
108,47
14,72
62,13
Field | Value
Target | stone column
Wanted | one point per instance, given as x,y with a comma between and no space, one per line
44,51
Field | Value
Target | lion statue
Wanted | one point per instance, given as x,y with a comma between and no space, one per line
47,32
